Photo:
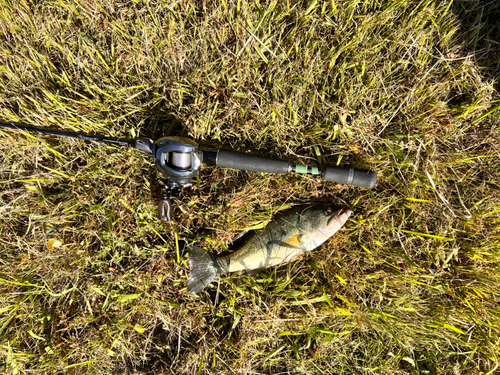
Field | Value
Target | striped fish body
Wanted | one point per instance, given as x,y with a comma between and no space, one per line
278,244
285,238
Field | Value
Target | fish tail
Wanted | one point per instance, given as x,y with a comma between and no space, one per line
203,268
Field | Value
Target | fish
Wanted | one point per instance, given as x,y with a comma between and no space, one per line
299,231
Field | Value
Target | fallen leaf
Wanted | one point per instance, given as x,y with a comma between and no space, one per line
54,244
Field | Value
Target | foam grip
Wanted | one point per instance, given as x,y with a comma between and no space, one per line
248,162
357,177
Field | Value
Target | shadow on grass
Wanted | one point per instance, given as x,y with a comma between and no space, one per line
480,28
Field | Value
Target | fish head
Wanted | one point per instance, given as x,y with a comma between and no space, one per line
319,223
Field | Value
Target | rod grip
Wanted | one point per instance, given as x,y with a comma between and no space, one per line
248,162
358,177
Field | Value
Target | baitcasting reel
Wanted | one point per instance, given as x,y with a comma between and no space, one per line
179,160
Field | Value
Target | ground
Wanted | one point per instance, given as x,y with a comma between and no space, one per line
92,282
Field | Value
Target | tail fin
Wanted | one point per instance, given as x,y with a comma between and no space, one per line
203,269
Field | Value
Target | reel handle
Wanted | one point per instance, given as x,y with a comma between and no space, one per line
165,209
165,204
247,162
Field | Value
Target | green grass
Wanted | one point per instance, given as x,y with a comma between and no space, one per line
407,88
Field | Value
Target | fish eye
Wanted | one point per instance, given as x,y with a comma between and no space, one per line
328,212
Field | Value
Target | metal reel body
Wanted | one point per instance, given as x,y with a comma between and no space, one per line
177,159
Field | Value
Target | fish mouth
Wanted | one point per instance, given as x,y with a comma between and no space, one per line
334,223
340,217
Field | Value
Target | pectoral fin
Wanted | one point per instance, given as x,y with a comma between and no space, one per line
294,241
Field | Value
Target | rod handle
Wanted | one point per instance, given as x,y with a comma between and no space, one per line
358,177
249,162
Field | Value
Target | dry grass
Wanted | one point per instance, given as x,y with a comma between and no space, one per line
407,88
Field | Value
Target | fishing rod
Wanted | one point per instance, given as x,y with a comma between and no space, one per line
179,160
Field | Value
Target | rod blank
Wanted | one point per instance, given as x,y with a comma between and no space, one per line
59,133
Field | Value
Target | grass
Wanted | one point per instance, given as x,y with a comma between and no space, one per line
92,282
